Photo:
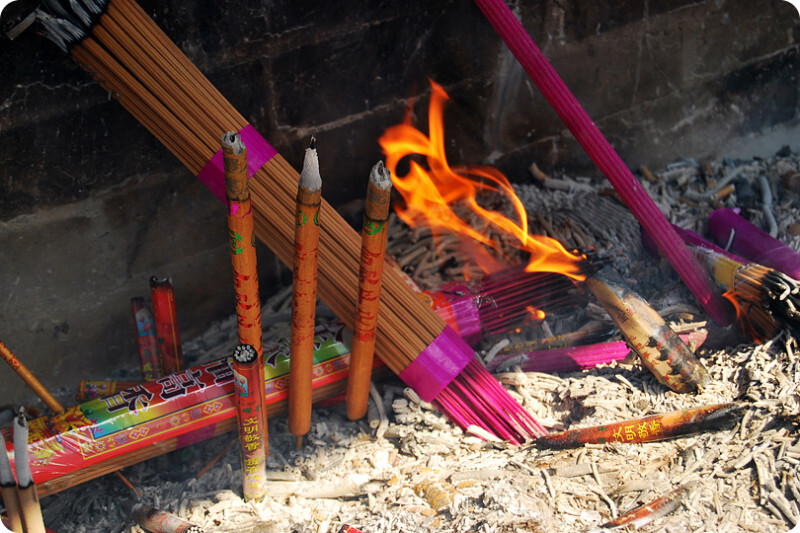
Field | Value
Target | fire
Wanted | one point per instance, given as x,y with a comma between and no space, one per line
432,194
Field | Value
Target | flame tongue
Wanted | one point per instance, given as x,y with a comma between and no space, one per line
433,195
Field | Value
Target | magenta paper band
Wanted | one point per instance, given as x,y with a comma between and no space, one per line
259,151
437,365
752,242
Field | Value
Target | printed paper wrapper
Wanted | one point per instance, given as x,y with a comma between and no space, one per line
178,405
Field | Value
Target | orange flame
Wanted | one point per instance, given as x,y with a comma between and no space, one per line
430,195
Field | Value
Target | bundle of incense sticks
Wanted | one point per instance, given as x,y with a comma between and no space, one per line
370,276
604,156
166,320
146,340
304,292
660,349
245,272
101,436
572,358
133,59
648,429
766,299
734,232
501,300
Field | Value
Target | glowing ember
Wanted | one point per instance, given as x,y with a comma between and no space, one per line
432,194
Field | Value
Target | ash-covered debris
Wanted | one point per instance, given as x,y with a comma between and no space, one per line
409,469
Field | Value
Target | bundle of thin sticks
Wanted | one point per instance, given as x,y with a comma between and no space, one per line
132,58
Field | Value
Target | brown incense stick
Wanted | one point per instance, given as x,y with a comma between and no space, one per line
304,293
373,250
243,259
29,379
28,498
661,349
8,489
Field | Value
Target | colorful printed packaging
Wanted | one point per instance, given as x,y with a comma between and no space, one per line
178,405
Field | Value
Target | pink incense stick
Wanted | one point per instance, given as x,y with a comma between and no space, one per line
727,226
600,151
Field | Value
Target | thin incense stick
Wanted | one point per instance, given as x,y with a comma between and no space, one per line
133,59
169,341
28,498
660,349
146,340
29,379
373,250
248,381
304,292
8,489
601,152
243,259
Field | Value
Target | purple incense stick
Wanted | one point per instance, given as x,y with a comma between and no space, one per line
604,156
752,242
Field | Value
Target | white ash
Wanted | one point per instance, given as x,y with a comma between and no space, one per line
747,478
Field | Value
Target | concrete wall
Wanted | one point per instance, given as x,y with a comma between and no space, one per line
91,205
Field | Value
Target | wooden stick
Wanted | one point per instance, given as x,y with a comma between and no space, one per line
304,293
214,460
250,421
243,259
8,489
373,250
28,498
169,341
29,379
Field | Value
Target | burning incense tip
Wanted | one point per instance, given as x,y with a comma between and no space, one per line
21,458
233,141
380,176
309,176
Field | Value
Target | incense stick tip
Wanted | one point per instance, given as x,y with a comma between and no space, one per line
245,354
309,176
313,143
380,176
233,141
